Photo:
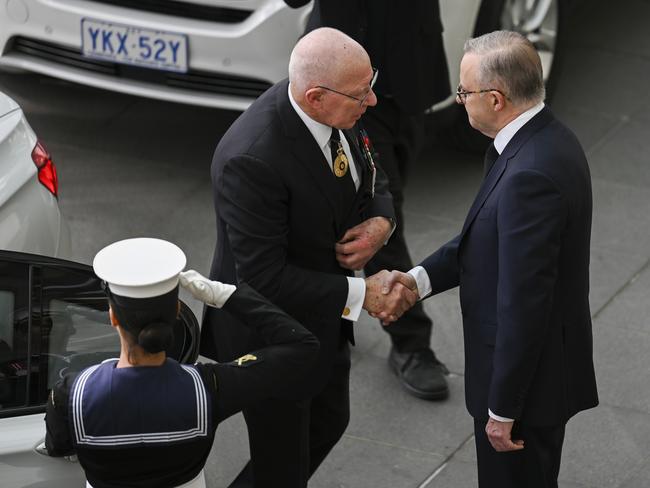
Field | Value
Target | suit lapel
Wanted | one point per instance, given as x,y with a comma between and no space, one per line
357,155
487,186
309,155
365,180
540,120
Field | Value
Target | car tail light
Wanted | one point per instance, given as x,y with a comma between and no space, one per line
46,170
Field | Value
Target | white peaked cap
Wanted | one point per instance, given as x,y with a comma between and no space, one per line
140,268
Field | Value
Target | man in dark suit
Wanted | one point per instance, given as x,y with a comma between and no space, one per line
522,263
404,42
300,204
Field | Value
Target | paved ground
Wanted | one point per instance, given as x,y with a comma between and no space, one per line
132,167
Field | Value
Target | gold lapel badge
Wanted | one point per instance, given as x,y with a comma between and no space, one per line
245,359
341,162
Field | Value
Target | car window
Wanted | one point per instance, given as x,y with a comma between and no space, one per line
72,326
54,320
7,300
14,303
67,329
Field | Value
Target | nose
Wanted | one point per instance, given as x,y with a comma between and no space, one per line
371,100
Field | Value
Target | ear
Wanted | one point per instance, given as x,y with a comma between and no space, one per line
498,101
314,97
113,317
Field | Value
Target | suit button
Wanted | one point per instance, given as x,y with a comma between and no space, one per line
346,311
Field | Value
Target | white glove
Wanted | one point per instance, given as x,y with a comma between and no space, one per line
213,293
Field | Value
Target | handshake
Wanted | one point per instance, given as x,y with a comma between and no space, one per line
389,294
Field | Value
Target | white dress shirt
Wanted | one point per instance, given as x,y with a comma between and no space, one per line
501,140
322,134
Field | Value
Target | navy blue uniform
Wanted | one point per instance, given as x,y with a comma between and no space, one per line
153,426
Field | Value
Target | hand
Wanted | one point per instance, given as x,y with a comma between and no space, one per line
213,293
361,242
499,435
390,278
389,295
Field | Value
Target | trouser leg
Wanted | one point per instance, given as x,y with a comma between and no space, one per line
535,466
330,411
278,436
289,440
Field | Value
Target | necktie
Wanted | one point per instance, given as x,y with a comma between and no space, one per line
491,156
341,167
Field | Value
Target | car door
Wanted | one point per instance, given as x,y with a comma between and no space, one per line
53,320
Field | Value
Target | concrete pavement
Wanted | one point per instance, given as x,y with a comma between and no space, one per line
131,167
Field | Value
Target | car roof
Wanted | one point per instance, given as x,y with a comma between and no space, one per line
7,104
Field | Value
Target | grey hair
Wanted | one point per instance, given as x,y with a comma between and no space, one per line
509,62
321,57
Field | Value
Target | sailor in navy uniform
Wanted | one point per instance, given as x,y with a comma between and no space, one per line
144,420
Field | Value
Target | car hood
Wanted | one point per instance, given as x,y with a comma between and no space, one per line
6,105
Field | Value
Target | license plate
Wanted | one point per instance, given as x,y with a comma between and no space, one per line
134,45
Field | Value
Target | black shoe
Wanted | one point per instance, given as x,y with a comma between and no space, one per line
420,373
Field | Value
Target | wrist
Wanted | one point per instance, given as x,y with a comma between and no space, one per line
390,228
388,222
224,294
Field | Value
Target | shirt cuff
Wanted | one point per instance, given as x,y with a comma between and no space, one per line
498,417
356,295
422,280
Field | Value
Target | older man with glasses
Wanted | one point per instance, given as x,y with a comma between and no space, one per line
300,204
521,261
404,40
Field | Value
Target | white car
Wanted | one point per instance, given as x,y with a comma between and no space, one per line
30,220
53,319
217,53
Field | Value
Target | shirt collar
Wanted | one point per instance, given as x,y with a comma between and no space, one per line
504,136
321,132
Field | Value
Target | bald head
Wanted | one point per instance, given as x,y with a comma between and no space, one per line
323,57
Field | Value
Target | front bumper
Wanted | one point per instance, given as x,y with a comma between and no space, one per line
230,63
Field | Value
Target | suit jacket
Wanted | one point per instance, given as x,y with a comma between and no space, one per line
403,39
522,263
279,216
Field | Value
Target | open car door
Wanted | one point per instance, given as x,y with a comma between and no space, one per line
53,320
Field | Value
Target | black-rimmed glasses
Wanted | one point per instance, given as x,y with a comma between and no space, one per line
461,95
375,74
